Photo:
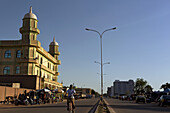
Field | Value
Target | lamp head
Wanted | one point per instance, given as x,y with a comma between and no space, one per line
114,28
87,29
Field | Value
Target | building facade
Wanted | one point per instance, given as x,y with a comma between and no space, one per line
26,57
123,87
110,91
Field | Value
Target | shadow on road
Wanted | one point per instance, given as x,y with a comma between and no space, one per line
142,107
44,106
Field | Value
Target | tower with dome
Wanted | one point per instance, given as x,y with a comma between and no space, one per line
26,62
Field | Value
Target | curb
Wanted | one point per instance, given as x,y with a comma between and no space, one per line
96,111
93,110
108,106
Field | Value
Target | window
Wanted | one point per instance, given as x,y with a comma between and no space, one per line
34,24
17,70
33,37
44,75
48,65
37,72
41,61
18,54
7,54
48,76
87,91
6,70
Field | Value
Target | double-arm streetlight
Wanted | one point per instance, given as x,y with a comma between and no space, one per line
101,54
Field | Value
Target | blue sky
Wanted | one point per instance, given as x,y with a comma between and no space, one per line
138,48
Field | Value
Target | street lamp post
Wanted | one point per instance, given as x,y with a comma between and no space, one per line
101,53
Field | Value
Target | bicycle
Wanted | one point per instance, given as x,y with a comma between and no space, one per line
71,110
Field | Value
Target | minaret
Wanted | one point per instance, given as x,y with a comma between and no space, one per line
29,28
54,49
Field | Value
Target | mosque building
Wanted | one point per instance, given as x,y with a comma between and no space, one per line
26,62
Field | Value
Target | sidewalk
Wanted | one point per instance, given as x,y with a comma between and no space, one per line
12,105
7,105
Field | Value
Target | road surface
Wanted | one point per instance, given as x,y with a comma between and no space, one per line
132,107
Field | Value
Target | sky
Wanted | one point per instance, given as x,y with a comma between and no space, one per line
138,48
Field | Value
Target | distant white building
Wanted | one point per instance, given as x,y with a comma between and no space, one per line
123,87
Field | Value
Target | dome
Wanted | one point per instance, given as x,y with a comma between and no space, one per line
54,43
30,15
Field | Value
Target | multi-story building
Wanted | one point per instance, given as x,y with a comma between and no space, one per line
112,91
26,62
123,87
108,91
84,91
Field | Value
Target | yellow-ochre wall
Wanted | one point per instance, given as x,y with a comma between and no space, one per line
33,56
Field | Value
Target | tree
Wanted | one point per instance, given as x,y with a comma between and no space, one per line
93,91
165,86
140,85
148,89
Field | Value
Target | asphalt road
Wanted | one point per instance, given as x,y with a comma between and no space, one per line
82,106
132,107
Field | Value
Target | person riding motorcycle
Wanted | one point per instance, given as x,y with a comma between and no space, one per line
70,98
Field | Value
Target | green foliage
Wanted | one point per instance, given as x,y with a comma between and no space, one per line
165,86
93,91
148,89
141,86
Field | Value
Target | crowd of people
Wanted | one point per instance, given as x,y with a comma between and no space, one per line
38,97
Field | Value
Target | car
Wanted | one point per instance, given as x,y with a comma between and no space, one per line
164,100
77,97
140,99
150,99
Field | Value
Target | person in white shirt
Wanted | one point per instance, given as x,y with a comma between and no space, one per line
70,98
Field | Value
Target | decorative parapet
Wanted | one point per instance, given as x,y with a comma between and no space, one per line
9,43
24,29
53,82
48,56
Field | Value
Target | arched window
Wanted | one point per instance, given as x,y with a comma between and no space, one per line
6,70
17,69
18,54
7,54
